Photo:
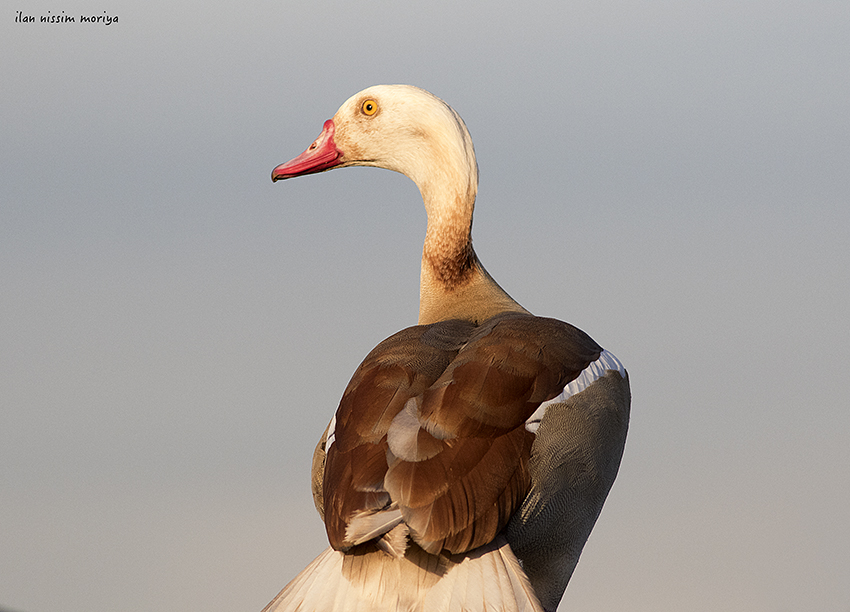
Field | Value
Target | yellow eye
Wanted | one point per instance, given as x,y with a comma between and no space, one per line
369,107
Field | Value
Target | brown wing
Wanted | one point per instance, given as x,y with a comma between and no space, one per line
432,423
400,367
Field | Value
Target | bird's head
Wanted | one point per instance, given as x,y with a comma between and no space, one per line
397,127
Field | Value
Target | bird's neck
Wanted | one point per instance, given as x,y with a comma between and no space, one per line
453,283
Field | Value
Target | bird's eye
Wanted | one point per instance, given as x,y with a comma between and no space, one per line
369,107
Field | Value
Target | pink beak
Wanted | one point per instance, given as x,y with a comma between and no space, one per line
320,156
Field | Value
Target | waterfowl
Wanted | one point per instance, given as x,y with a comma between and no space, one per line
470,454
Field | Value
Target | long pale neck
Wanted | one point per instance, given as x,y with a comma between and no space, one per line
453,283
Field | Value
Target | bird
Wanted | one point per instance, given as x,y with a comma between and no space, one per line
470,455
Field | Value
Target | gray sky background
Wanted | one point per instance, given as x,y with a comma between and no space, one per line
175,331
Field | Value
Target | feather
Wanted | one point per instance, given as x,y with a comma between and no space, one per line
490,580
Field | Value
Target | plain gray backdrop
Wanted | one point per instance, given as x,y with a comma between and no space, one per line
672,176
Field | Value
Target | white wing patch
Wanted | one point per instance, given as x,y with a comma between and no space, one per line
331,434
597,369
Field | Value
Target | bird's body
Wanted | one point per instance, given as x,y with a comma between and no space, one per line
470,454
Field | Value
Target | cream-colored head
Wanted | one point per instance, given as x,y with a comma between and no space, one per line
411,131
401,128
